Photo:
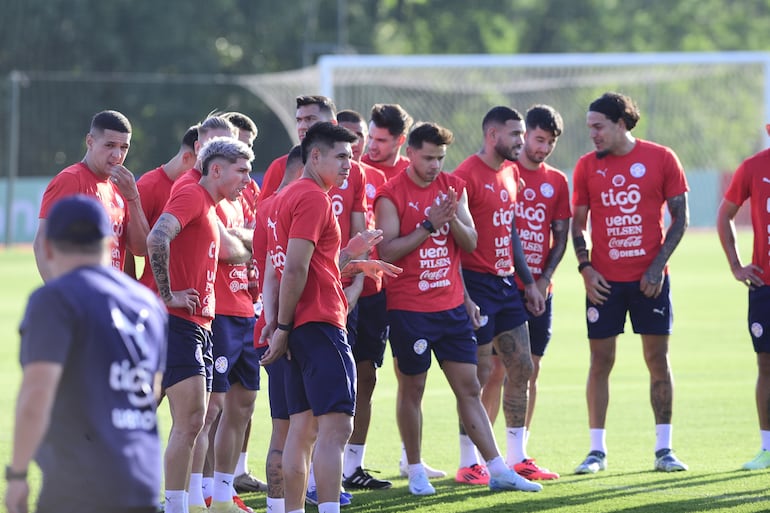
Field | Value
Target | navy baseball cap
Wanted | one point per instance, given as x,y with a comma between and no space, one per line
78,219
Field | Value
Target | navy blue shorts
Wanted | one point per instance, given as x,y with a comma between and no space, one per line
276,388
189,352
540,327
235,359
502,308
413,335
321,374
371,333
649,316
759,317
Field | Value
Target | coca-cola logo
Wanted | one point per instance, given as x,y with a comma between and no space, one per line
628,242
438,274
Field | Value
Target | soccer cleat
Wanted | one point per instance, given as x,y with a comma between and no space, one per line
510,480
594,462
241,505
475,475
419,485
431,472
760,461
225,507
666,461
361,479
530,470
311,497
246,483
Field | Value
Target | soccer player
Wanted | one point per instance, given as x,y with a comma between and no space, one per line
184,246
624,186
751,181
388,126
367,328
310,110
542,223
423,214
101,174
155,188
308,316
491,184
93,346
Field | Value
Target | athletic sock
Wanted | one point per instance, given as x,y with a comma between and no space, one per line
468,455
598,440
662,436
208,486
175,501
223,487
514,437
354,458
329,507
765,437
196,490
496,466
276,505
241,467
415,469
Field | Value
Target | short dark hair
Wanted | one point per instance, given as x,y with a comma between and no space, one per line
431,133
546,118
294,157
325,104
190,136
617,106
349,116
241,121
499,115
226,148
391,116
110,120
326,135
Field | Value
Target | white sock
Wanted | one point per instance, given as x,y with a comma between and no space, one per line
175,501
354,458
196,490
329,507
415,469
765,436
598,440
404,460
526,439
468,454
276,505
241,467
514,437
297,511
223,484
662,436
208,486
311,478
497,466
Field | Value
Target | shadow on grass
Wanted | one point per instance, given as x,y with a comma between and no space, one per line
633,492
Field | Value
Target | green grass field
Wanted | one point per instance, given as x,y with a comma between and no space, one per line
715,427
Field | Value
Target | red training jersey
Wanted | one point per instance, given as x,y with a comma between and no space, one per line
545,199
374,180
154,190
304,211
79,179
752,180
491,200
431,279
259,253
274,176
248,199
389,171
190,176
194,251
232,282
626,195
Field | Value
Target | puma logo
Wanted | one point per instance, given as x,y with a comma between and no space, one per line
602,172
489,186
271,225
766,179
414,205
661,311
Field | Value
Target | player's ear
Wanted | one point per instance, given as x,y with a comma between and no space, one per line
401,139
767,128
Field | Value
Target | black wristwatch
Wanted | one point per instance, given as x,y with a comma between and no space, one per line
428,226
285,327
583,265
12,475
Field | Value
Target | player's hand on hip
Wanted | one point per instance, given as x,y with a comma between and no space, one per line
189,299
749,275
474,312
17,496
278,346
651,284
597,288
534,298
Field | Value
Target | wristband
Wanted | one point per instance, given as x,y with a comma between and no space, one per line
428,226
12,475
285,327
583,265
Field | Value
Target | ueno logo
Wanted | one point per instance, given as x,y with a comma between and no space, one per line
626,201
534,215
